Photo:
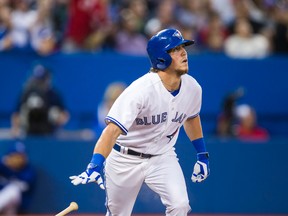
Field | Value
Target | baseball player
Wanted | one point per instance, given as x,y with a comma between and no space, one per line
142,128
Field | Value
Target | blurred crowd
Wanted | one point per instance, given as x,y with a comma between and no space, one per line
240,28
239,120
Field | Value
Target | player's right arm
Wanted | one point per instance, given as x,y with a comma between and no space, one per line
102,149
107,140
118,122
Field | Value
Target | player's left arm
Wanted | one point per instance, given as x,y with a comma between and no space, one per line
193,129
102,149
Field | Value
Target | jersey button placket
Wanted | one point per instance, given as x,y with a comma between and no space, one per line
170,113
173,105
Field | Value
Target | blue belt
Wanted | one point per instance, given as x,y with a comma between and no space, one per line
126,150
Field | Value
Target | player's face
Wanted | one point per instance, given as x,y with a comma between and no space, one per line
179,60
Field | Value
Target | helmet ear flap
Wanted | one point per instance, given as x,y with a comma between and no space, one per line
163,61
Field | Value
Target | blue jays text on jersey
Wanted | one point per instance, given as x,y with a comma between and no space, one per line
160,118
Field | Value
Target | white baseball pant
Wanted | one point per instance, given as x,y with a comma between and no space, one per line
125,174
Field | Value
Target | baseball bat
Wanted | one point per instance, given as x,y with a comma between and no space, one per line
73,206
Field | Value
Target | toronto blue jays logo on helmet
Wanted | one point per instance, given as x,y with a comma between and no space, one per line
177,34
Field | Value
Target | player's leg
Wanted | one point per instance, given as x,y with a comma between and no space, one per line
168,181
123,180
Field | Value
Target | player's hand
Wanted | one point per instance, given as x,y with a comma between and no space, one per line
91,174
201,168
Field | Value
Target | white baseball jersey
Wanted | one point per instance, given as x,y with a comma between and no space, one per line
150,116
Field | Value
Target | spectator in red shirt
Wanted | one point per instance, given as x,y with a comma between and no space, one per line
88,23
247,129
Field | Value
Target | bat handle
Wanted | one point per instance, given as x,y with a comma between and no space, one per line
73,206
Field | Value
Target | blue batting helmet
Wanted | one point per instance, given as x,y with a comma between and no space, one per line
159,45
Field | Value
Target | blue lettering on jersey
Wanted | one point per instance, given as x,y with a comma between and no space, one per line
139,121
179,118
154,119
164,117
